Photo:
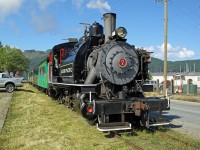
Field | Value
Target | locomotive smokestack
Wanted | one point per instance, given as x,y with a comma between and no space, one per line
109,24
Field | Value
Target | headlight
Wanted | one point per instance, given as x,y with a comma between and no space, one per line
121,32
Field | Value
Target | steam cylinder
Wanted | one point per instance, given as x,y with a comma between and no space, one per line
109,24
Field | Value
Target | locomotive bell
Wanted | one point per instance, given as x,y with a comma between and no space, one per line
96,29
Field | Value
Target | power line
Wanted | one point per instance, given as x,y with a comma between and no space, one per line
185,13
184,29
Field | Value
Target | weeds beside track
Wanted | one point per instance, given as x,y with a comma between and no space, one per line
127,142
165,135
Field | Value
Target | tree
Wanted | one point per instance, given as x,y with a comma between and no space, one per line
149,76
1,46
13,60
2,58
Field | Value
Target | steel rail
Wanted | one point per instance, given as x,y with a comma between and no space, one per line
127,142
176,139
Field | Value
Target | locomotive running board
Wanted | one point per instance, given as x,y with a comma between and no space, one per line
114,126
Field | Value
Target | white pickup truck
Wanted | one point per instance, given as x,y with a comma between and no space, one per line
150,85
9,83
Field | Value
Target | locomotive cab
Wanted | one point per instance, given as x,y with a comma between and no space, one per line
58,53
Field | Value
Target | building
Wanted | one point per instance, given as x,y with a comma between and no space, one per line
195,76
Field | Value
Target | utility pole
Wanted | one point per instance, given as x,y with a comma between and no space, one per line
165,44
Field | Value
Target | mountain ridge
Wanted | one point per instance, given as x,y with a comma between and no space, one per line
156,65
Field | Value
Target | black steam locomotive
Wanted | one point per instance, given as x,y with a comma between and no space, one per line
101,74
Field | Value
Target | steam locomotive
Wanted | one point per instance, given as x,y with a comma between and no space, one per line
101,75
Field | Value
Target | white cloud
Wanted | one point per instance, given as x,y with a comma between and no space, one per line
8,7
44,22
77,3
100,5
173,53
43,4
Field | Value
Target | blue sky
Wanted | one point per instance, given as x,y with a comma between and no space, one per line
41,24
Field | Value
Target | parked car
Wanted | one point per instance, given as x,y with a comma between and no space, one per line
167,86
9,83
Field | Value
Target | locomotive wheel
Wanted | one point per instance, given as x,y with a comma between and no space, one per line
75,105
67,101
52,94
61,100
49,92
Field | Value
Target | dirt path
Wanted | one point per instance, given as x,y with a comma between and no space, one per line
4,104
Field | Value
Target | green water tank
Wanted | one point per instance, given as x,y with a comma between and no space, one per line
193,89
185,88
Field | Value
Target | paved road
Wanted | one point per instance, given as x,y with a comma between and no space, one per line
185,118
4,104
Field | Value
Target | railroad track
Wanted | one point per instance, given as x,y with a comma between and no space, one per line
164,135
175,139
127,142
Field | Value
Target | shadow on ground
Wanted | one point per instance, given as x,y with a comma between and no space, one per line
168,118
24,90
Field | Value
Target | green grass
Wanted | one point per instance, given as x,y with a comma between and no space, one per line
184,97
153,94
1,94
35,122
155,140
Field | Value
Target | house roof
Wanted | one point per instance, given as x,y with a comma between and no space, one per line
173,73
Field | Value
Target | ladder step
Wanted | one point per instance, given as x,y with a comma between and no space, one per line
114,126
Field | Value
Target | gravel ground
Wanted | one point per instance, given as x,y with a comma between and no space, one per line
4,104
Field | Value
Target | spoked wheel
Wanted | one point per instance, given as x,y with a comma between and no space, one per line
61,99
71,103
10,88
67,101
75,105
52,94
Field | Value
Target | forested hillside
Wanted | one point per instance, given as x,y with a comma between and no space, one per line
156,64
35,57
176,66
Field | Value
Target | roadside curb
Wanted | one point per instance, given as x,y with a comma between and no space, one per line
4,105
